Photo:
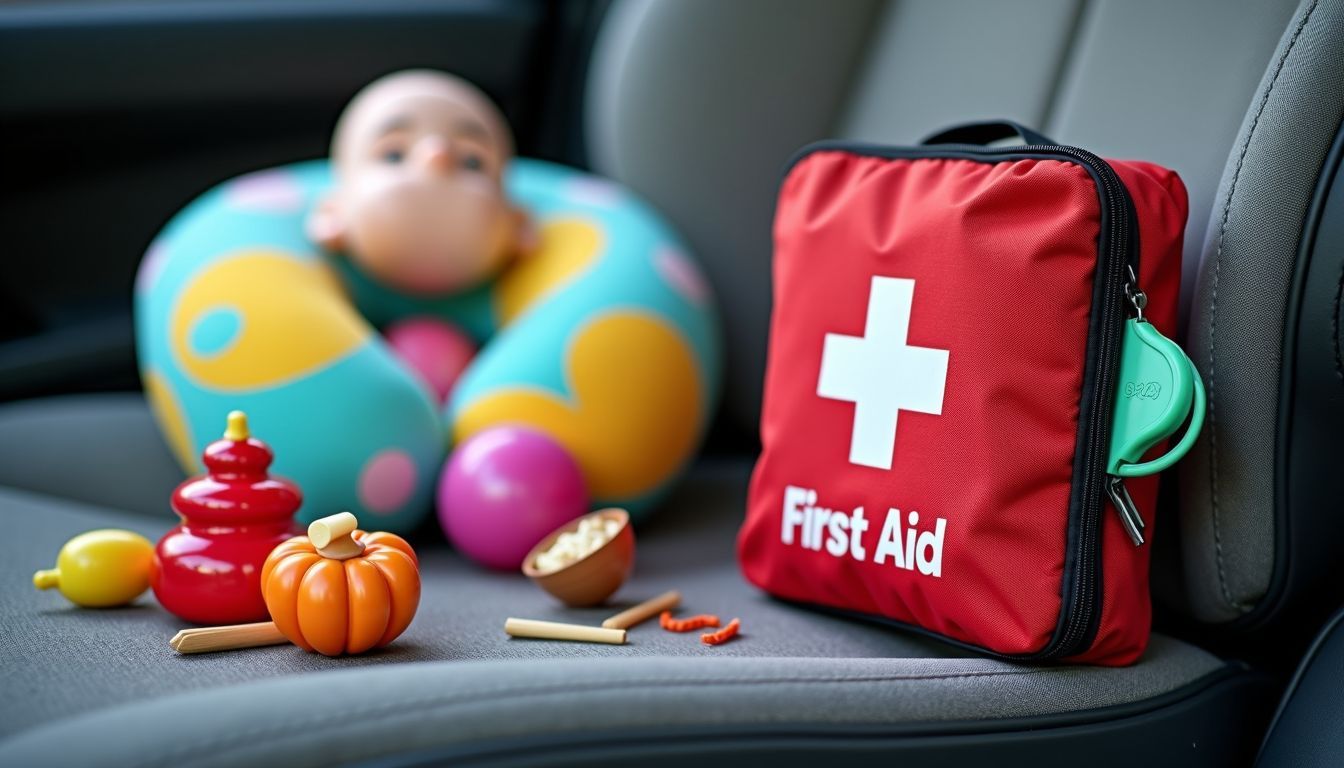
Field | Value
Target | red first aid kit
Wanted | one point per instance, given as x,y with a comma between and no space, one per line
940,384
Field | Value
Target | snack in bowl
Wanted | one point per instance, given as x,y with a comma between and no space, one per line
589,578
573,546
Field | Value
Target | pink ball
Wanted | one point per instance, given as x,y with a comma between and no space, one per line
435,349
503,490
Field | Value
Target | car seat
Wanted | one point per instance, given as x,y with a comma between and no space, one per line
697,105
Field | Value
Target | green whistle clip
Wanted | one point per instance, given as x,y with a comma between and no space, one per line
1158,388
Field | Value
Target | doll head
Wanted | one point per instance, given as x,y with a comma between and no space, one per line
418,201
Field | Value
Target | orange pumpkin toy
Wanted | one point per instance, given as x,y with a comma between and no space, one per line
340,590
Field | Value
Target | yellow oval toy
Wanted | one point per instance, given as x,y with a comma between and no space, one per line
101,569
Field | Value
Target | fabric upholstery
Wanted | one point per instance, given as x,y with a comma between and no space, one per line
696,105
453,673
933,64
375,712
102,449
1227,482
1168,82
75,659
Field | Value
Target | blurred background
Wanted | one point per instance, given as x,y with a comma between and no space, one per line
115,114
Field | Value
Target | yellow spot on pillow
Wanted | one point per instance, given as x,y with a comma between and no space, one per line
168,411
292,320
568,246
634,406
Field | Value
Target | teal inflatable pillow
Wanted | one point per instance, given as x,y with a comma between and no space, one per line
605,339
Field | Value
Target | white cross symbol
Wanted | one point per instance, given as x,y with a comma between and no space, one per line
881,374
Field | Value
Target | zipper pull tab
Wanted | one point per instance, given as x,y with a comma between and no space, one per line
1137,298
1124,504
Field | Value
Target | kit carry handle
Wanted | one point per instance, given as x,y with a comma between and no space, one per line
987,132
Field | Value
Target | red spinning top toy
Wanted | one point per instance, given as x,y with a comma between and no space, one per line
208,569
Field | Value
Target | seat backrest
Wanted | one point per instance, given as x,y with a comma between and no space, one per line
698,104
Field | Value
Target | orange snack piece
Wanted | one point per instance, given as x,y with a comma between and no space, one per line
723,635
687,625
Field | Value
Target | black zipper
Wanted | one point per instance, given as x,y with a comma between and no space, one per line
1117,252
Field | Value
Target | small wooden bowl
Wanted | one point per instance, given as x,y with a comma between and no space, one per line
591,579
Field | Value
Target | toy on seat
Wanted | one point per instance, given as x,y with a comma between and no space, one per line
341,590
208,569
338,590
101,569
531,482
594,327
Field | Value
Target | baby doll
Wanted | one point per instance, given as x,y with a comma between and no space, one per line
419,204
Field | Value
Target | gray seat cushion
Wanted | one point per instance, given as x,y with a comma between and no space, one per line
106,688
102,449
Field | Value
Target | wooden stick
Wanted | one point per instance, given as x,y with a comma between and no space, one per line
210,639
552,630
644,611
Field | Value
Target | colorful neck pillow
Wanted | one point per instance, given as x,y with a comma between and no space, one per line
605,339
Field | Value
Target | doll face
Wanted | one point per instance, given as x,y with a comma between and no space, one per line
419,203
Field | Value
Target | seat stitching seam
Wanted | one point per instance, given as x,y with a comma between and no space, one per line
216,742
1213,312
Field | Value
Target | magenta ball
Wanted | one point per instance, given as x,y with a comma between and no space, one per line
434,349
503,490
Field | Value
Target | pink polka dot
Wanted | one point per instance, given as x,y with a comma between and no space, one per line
387,481
151,266
266,192
678,271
